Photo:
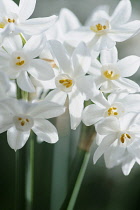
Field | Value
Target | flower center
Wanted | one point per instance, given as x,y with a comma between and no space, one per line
109,74
23,123
124,137
66,82
11,20
20,61
112,111
99,27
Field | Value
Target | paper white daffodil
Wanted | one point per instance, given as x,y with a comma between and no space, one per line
13,19
121,137
117,104
110,74
20,117
18,61
103,31
71,80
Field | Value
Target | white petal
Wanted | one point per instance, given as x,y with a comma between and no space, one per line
129,65
59,52
95,68
134,148
17,139
12,43
68,20
45,131
5,121
117,96
100,12
81,60
34,46
37,25
82,34
87,87
122,13
128,164
41,70
127,84
76,105
46,109
24,82
105,144
57,96
108,126
92,114
26,8
132,103
104,42
8,6
113,156
109,56
127,120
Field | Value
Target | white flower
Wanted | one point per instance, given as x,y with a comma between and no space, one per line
120,142
71,80
109,75
13,18
18,61
103,31
20,117
117,104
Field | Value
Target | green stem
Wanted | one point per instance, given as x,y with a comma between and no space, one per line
78,182
30,175
17,180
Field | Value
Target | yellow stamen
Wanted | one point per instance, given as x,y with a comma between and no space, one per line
110,75
11,20
111,111
66,82
124,137
98,27
2,25
27,120
22,123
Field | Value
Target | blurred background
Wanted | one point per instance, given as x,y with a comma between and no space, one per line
102,189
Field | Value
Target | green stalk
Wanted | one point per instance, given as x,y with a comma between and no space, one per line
79,166
30,174
78,182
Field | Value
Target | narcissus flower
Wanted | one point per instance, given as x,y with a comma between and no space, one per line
14,19
17,61
72,80
20,117
110,74
120,141
103,31
117,104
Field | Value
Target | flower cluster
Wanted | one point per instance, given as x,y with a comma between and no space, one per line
62,64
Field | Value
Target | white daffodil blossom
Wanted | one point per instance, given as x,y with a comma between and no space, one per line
103,31
111,73
14,19
72,80
117,104
120,142
18,118
19,62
